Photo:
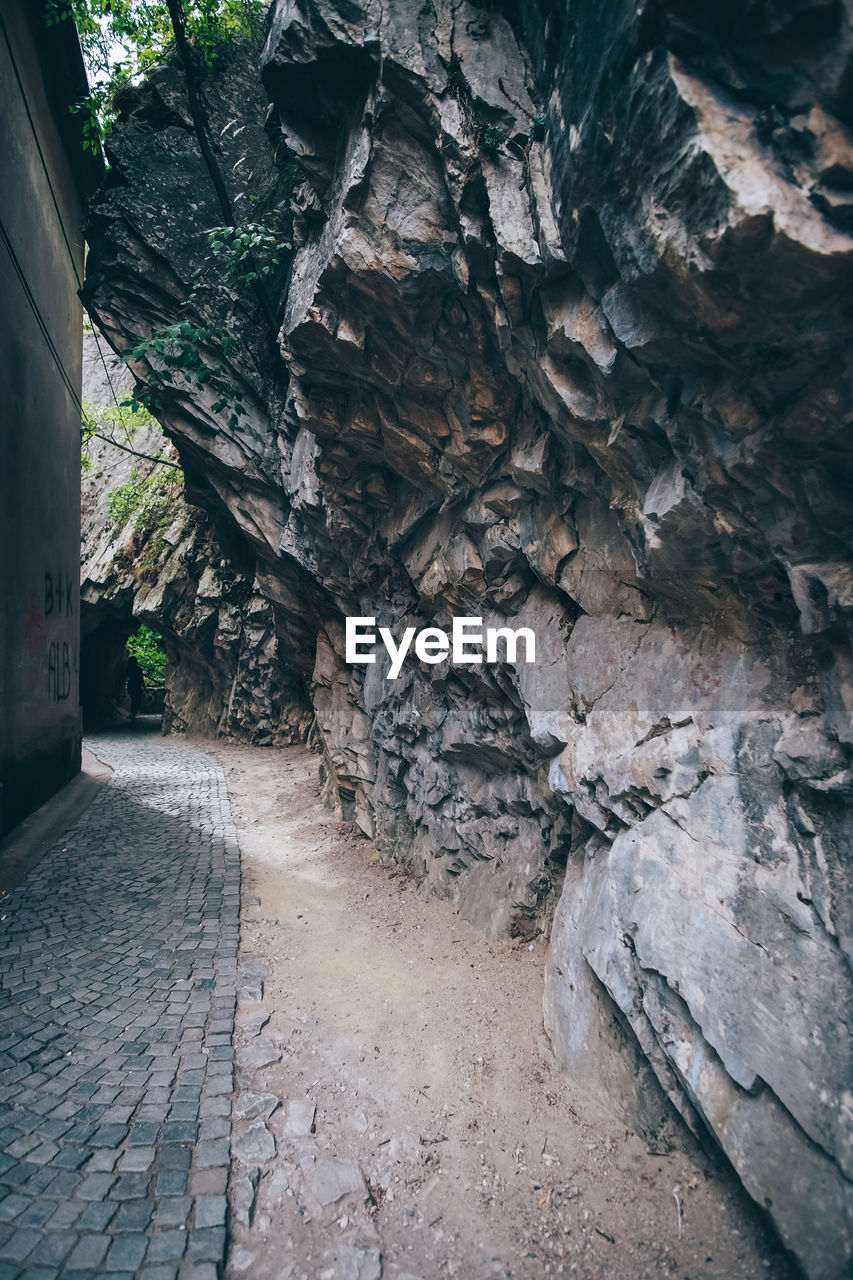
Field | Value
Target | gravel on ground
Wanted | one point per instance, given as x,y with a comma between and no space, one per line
398,1110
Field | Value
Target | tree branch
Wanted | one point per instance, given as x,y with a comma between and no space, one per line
185,53
147,457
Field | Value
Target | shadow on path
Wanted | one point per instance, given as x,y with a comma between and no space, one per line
117,992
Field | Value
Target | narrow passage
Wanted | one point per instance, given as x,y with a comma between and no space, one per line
117,994
398,1113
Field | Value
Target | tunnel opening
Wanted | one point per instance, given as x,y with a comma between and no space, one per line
145,673
103,658
111,648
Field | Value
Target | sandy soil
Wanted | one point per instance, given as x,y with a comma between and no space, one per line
405,1066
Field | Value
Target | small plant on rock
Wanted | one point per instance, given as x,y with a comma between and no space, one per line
248,252
490,139
175,354
536,132
147,501
88,429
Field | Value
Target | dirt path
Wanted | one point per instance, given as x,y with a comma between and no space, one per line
421,1126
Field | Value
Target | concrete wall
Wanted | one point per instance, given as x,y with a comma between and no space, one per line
43,174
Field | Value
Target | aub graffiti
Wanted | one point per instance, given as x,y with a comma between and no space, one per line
58,671
58,604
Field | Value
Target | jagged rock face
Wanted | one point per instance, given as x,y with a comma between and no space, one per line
595,383
225,675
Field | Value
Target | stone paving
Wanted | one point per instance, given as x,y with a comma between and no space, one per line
118,959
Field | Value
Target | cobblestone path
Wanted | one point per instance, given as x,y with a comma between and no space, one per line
118,960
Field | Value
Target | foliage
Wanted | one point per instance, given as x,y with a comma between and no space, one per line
127,500
145,646
123,39
88,427
248,252
176,352
127,417
289,167
490,139
117,421
537,126
122,420
147,501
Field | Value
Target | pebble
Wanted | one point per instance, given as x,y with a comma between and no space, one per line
276,1187
253,1024
251,992
255,1057
254,1145
254,1106
359,1122
243,1196
330,1180
240,1259
299,1118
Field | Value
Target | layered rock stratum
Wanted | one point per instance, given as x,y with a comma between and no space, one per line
564,343
169,569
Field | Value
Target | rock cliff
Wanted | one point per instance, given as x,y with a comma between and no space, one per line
160,562
564,343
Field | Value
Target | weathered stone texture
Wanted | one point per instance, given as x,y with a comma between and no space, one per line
225,675
593,379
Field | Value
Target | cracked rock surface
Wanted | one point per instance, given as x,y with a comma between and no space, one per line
182,578
564,344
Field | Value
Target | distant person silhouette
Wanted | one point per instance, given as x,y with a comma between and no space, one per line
135,687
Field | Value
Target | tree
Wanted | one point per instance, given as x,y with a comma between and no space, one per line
146,647
123,39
